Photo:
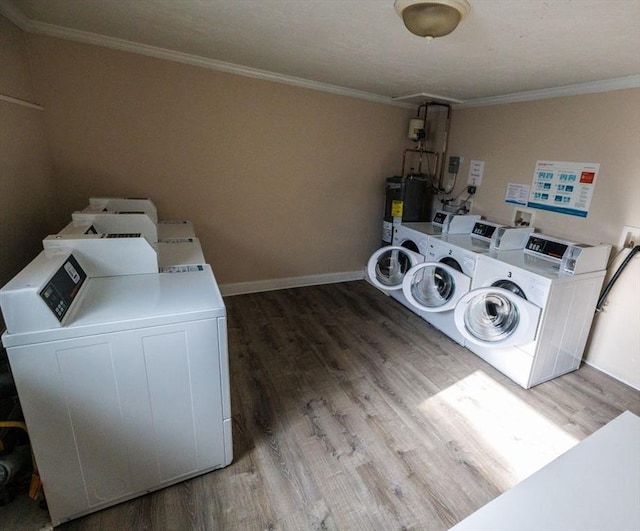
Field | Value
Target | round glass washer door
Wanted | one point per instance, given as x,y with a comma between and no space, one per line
496,317
434,286
388,266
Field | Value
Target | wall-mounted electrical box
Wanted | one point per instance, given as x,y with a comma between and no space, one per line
629,238
454,164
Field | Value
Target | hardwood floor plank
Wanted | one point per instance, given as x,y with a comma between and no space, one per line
316,517
351,413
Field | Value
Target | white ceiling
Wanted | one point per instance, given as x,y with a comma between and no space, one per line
502,48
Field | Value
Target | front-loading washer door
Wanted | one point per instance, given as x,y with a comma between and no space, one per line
496,317
434,286
388,266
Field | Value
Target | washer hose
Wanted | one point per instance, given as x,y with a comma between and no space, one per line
614,278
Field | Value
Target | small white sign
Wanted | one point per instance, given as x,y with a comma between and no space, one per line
476,170
517,194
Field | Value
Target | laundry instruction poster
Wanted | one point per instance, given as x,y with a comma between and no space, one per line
563,187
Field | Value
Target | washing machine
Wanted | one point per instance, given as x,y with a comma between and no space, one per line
123,204
174,241
387,266
110,254
435,286
529,312
131,221
487,237
443,223
123,380
176,231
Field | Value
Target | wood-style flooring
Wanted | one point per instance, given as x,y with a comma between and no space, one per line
350,412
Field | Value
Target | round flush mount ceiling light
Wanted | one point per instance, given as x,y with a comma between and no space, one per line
429,20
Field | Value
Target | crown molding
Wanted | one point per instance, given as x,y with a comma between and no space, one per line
85,37
16,16
23,103
606,85
420,97
31,26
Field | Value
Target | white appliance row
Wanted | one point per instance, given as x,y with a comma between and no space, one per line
388,266
522,301
121,364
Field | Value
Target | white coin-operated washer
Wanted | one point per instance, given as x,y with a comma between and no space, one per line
387,267
529,312
123,214
118,222
434,287
123,204
130,252
123,378
174,241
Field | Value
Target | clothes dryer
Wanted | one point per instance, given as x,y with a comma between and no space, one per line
435,286
443,223
529,312
387,266
487,237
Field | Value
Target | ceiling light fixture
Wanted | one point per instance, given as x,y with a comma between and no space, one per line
436,18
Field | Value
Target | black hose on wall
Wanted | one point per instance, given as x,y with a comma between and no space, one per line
614,278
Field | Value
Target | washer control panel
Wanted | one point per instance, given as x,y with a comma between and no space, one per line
483,230
571,258
547,247
61,290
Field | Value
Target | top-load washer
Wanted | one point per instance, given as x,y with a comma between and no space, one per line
123,379
434,287
116,217
388,265
110,254
166,231
85,240
529,312
122,222
119,215
123,204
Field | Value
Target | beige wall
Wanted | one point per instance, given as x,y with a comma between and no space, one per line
279,181
26,186
287,182
603,128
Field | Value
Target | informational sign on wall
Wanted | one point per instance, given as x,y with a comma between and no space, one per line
517,194
563,187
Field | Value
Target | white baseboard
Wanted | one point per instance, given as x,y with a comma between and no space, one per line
633,385
242,288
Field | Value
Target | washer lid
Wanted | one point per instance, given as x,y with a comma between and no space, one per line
117,304
496,317
387,266
434,286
